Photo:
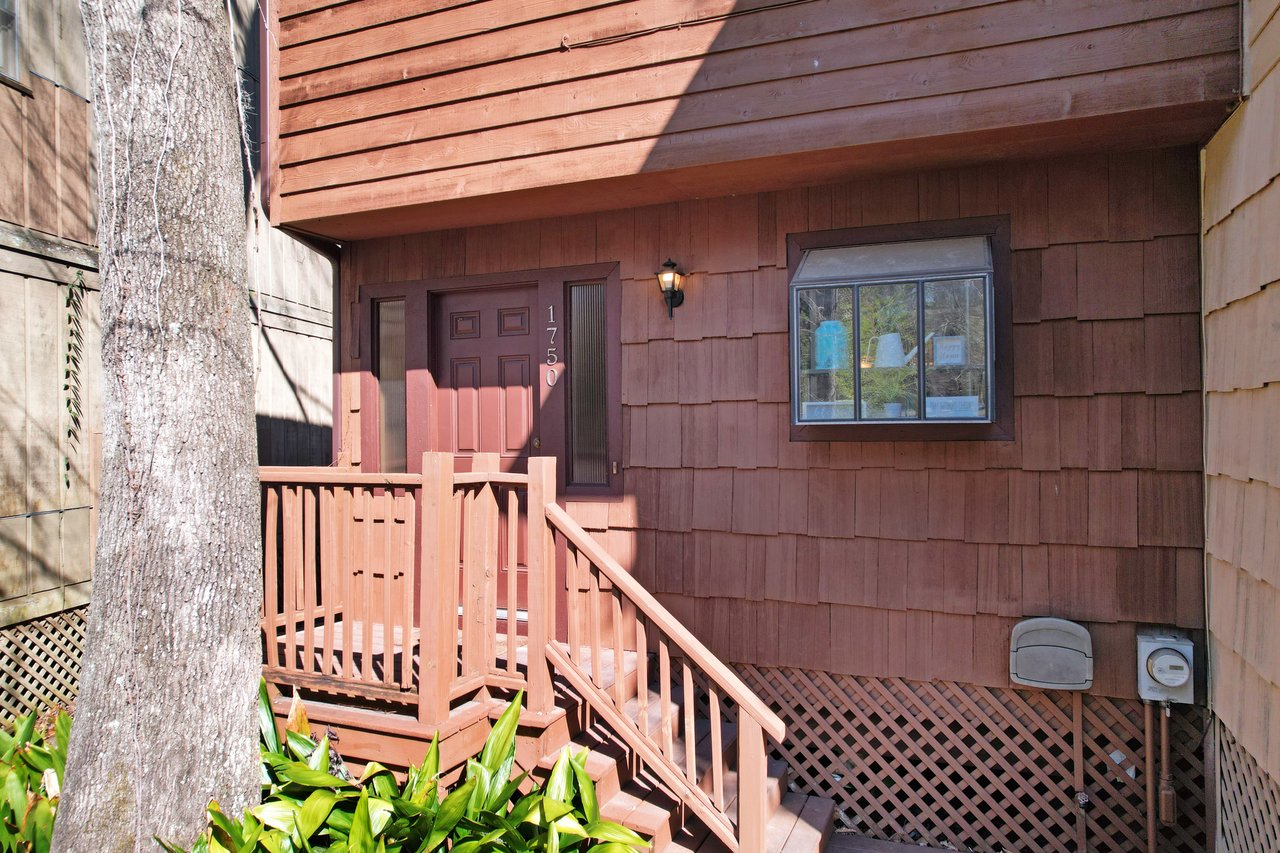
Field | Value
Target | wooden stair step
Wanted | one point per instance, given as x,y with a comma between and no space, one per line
800,824
608,670
643,806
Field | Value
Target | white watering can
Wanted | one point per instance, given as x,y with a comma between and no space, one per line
886,351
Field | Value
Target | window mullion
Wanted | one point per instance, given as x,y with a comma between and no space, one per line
920,412
856,362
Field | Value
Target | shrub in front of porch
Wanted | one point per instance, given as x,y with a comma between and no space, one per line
307,808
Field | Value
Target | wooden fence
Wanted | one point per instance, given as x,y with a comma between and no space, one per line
407,589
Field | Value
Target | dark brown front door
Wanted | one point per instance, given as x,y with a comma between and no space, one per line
485,368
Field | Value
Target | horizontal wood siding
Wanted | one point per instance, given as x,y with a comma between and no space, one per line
386,105
1242,398
904,558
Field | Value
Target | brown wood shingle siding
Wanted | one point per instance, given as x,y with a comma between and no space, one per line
382,108
893,558
1241,242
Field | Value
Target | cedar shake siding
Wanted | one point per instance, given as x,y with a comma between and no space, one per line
1241,240
387,117
904,558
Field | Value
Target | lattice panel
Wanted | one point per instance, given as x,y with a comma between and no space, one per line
1248,801
40,662
973,768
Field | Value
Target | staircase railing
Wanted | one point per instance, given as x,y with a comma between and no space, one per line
610,615
387,587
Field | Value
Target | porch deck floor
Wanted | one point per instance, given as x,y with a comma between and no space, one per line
377,673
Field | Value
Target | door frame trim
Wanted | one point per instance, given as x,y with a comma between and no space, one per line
551,286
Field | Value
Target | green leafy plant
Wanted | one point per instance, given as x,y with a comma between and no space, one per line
31,769
308,808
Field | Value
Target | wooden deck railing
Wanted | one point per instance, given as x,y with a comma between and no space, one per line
610,614
405,588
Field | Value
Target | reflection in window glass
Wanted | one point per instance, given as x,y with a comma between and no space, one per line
825,324
889,351
9,38
955,324
389,368
588,427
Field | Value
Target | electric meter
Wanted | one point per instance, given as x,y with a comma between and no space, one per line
1165,667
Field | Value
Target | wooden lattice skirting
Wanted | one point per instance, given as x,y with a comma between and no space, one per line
40,662
966,767
1248,800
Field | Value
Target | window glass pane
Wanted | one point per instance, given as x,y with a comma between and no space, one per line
955,325
9,38
895,260
388,367
888,318
827,382
588,412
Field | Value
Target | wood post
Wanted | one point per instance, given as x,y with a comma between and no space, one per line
480,571
542,583
437,592
753,809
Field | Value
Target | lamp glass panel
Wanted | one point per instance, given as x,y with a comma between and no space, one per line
955,371
889,351
827,379
389,368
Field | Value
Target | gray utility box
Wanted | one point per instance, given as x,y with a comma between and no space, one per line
1054,654
1166,666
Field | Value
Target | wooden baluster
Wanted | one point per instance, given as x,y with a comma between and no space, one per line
619,656
582,600
328,577
690,730
513,532
541,581
753,812
404,583
571,583
642,676
717,748
271,566
664,697
593,629
479,609
391,544
347,567
368,587
309,595
439,589
291,529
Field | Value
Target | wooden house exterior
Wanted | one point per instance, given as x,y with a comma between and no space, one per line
50,376
1241,233
485,166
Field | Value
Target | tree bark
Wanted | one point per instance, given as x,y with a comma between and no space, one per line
165,720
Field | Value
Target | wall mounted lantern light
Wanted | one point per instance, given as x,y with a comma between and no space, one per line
671,283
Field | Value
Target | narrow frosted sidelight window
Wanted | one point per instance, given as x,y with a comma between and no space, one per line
9,66
588,413
389,368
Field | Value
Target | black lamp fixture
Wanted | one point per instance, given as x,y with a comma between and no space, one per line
671,283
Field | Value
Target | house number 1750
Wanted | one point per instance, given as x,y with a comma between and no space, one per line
553,354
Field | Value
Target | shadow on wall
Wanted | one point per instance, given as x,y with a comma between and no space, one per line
283,441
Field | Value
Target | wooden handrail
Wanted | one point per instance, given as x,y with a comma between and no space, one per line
469,478
276,474
726,678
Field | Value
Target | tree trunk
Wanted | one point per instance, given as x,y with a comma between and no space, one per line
165,720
